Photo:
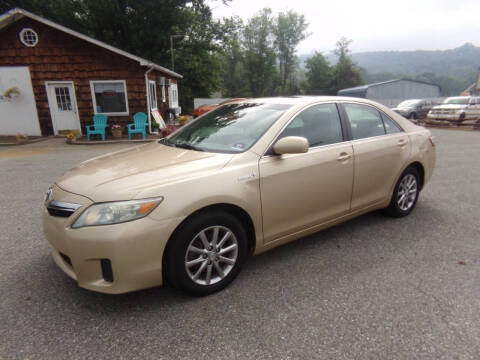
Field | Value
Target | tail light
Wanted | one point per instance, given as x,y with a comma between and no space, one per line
431,138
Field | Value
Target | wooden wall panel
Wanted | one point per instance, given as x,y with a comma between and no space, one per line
61,57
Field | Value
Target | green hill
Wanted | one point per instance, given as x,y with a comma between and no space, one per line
460,62
454,70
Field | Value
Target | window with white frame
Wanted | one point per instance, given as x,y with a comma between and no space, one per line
173,96
164,96
153,95
109,97
28,37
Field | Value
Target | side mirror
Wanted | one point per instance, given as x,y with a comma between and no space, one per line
291,145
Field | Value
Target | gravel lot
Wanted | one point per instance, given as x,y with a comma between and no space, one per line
372,288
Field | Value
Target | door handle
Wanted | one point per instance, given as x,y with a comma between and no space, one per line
402,142
344,156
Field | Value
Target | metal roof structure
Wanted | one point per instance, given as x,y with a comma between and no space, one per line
362,90
16,14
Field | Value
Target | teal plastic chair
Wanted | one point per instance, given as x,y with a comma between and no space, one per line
98,127
139,125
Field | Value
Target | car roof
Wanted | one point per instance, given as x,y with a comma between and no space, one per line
300,100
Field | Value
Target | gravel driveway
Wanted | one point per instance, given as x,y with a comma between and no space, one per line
372,288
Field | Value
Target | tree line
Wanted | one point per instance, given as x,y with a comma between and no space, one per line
259,59
241,59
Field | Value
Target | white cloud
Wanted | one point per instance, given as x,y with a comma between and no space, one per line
374,24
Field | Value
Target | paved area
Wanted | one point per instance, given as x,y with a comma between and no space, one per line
372,288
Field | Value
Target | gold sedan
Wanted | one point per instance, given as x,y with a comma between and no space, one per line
242,179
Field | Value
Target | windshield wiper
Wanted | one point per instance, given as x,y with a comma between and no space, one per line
187,146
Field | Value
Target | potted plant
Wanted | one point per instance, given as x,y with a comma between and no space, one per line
12,93
117,131
21,138
167,130
70,138
183,119
155,126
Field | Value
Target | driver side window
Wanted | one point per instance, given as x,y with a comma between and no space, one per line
320,124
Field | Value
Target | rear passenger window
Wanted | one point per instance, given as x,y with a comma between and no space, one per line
390,126
320,124
365,121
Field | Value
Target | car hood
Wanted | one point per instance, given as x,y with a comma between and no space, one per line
450,106
127,174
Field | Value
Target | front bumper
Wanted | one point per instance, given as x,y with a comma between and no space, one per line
443,117
131,251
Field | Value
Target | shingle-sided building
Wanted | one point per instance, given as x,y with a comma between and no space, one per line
391,93
54,79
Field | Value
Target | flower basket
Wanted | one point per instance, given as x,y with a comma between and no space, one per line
12,93
21,139
70,138
117,132
167,131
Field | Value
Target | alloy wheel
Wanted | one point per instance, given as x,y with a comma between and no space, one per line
211,255
407,192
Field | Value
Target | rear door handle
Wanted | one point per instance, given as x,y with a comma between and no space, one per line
402,142
344,156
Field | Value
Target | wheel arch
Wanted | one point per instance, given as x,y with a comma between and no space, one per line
234,210
420,169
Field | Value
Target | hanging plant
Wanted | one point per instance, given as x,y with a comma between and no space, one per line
12,93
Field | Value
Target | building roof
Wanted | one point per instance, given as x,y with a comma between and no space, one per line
16,14
362,90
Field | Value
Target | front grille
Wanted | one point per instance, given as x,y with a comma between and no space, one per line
66,259
61,209
443,112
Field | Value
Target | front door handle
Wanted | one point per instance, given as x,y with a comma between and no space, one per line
344,156
402,142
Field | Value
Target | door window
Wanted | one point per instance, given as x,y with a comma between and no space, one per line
390,126
64,102
365,121
320,124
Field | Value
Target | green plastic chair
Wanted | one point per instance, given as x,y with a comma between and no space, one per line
98,127
139,125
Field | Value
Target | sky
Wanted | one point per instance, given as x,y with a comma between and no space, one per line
374,25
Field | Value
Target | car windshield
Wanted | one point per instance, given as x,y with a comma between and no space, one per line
231,128
408,103
456,100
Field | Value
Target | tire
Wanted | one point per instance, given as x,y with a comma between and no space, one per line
412,116
399,205
192,256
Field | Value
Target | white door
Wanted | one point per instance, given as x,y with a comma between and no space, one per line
63,106
18,114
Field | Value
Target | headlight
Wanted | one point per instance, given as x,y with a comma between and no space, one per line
116,212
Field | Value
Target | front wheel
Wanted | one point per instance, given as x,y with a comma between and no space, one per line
405,194
206,253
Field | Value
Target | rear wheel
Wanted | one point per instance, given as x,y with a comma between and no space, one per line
405,194
206,253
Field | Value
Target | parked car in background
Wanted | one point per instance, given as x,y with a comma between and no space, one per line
242,179
457,109
206,108
415,109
